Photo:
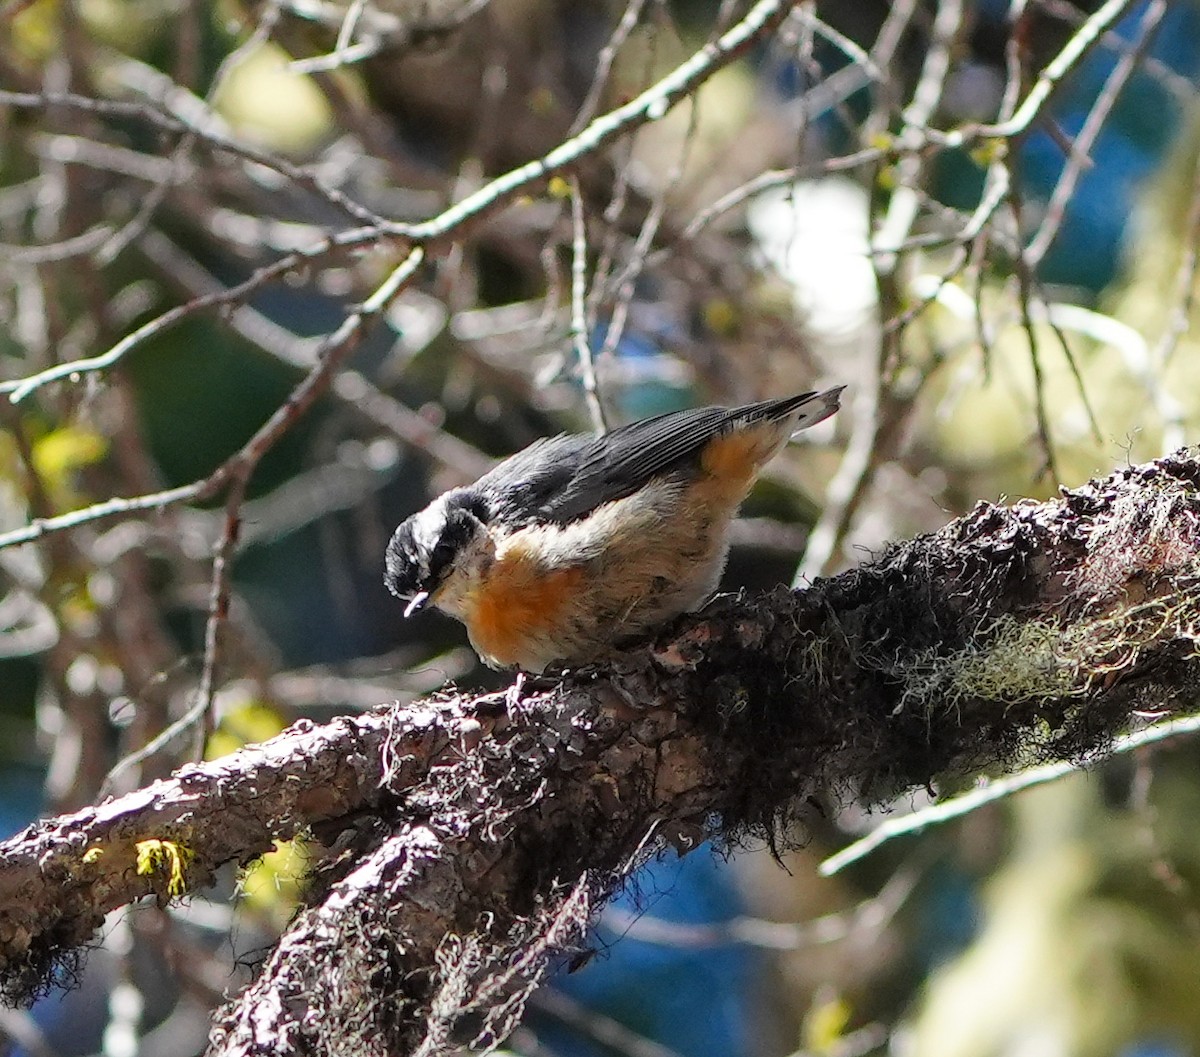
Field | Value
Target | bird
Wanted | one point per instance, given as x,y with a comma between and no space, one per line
579,542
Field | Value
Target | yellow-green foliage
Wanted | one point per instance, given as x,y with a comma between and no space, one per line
268,103
167,858
60,453
271,886
243,723
824,1027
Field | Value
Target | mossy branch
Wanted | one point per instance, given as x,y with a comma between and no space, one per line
497,824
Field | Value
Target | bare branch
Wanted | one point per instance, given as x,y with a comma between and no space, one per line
40,527
19,389
1080,43
190,116
651,105
1081,149
990,790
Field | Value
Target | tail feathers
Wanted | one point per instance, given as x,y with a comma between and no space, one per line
807,408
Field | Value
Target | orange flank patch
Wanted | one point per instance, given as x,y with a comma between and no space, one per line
733,460
519,604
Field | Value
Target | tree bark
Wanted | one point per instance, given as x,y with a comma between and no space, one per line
481,833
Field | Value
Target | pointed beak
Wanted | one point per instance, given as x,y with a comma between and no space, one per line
416,603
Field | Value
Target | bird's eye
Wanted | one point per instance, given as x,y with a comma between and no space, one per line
442,556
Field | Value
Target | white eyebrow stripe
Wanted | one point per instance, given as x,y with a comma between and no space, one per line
427,525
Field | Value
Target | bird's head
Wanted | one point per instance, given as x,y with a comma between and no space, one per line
427,549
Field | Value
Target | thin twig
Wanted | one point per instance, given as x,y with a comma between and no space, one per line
86,242
236,472
579,323
857,56
611,1034
619,195
604,61
997,789
848,485
150,204
926,97
885,99
349,25
1184,287
876,416
651,105
1081,149
625,282
1024,277
183,119
390,32
1051,76
40,527
768,181
242,463
869,916
332,352
995,189
1179,85
354,389
21,388
1059,332
218,610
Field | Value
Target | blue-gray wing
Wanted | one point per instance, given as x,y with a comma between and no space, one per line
563,478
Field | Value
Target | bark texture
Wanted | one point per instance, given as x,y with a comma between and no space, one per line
484,832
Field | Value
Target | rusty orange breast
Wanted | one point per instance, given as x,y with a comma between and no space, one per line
520,607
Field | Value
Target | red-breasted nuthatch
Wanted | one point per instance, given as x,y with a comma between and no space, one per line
581,541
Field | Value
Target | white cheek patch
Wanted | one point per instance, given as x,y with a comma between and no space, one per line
466,574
